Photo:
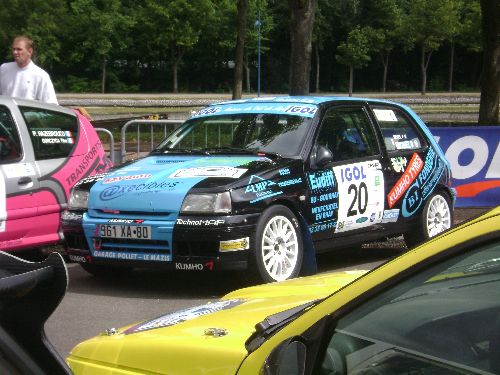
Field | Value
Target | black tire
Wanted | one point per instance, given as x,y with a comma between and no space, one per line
436,217
105,271
279,248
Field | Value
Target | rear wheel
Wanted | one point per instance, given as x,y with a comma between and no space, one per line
278,245
436,217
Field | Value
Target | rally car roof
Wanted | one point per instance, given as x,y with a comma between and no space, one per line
303,99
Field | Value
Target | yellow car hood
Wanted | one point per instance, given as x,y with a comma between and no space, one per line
205,338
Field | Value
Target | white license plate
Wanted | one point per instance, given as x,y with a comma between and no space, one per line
139,232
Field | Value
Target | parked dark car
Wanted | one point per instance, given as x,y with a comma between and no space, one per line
263,185
29,294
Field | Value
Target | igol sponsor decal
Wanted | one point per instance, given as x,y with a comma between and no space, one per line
352,173
184,315
235,245
299,109
200,222
116,191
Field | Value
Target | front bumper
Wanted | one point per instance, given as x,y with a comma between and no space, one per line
197,243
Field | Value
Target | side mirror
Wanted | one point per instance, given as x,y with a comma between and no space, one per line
323,156
289,358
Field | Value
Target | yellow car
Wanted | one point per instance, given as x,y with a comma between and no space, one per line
433,310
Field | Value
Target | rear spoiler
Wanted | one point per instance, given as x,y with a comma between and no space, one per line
29,294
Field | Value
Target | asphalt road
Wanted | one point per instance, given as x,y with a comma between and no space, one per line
92,304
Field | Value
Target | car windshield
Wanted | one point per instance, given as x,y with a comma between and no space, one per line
239,133
446,319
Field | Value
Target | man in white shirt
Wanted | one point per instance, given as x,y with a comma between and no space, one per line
22,78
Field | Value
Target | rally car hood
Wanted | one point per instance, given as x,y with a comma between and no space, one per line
169,178
204,337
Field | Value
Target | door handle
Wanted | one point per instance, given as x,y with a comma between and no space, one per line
24,181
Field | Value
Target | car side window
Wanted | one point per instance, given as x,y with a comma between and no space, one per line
10,143
348,134
397,130
53,134
444,319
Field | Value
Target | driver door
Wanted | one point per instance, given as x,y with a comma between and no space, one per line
347,193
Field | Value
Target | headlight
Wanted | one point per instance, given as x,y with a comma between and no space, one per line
207,203
78,199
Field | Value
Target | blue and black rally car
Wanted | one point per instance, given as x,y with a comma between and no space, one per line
259,184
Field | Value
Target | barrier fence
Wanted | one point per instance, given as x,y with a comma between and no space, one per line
474,155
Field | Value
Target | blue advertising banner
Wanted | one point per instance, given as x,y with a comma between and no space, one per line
474,155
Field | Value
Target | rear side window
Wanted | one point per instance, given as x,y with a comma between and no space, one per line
10,144
398,132
53,134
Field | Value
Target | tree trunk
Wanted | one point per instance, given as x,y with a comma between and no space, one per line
424,64
317,67
423,71
240,46
452,63
385,63
176,61
302,14
175,82
247,73
490,77
351,79
103,79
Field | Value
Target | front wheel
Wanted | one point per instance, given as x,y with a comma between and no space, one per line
436,217
278,245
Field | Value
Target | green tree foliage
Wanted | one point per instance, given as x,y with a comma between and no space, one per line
176,27
355,51
428,24
102,28
183,45
385,19
43,21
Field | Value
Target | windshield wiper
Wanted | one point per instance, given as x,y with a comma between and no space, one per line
180,151
274,323
227,150
268,153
